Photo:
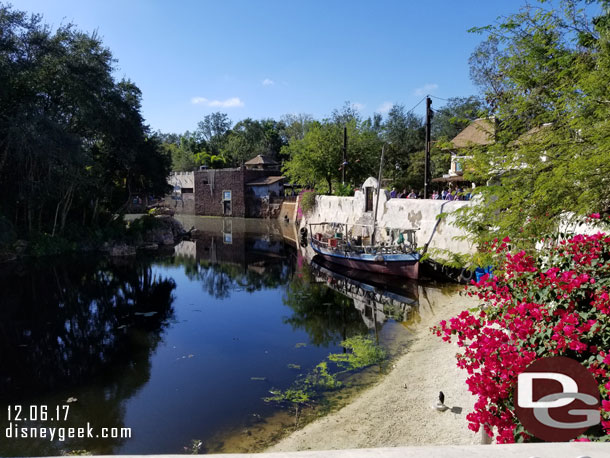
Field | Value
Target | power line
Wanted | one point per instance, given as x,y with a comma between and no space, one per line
435,97
417,104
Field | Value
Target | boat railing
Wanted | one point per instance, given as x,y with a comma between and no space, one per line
336,237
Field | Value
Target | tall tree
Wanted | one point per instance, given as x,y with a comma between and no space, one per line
547,84
250,137
72,140
295,126
213,130
405,133
317,159
456,115
346,114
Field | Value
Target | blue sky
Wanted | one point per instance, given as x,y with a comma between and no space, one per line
266,58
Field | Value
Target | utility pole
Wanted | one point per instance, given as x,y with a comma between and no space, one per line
344,164
427,161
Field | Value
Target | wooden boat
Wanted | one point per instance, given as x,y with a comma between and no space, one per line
398,257
335,243
403,290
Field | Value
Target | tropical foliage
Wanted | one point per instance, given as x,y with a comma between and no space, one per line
544,72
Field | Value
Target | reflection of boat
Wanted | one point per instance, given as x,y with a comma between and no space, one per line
340,244
373,295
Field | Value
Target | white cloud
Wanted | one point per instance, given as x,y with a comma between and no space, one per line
425,89
268,82
229,103
358,106
385,107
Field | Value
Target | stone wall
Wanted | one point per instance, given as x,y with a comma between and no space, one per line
181,180
210,184
181,204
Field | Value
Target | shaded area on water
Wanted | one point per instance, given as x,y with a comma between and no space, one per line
178,347
65,322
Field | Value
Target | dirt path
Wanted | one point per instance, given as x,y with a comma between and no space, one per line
398,410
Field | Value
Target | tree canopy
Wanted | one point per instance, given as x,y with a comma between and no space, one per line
544,73
73,145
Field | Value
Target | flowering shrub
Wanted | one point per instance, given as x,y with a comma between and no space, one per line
555,302
307,202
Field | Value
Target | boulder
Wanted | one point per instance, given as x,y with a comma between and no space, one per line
167,231
122,249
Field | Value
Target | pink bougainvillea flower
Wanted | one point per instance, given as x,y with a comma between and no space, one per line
555,301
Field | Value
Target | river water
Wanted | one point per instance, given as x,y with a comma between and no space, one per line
179,346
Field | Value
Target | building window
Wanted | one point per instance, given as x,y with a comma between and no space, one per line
226,203
187,190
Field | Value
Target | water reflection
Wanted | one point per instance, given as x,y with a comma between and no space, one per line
377,297
328,316
62,327
186,344
246,264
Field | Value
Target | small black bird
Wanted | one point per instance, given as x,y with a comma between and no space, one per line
441,397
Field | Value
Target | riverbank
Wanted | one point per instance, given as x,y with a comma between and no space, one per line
398,410
123,237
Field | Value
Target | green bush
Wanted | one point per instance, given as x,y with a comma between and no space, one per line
308,201
344,190
45,245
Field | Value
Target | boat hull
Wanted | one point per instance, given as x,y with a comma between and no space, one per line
400,265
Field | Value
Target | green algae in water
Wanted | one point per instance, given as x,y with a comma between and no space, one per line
364,352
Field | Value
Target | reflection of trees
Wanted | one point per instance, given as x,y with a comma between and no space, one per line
327,316
86,327
248,264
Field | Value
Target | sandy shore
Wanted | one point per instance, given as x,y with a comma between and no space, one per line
398,410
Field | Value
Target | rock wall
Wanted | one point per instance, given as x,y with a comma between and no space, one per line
420,214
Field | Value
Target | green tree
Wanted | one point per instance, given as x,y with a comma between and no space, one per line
212,131
455,116
317,159
406,135
546,81
251,137
295,126
73,145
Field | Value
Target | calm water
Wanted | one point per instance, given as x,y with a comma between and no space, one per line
177,346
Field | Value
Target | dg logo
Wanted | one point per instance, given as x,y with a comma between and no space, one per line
557,399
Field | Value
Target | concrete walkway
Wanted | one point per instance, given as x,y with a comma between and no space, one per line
550,450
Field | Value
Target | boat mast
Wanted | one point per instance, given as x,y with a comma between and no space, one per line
378,191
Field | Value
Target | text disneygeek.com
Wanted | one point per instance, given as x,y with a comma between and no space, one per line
18,415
